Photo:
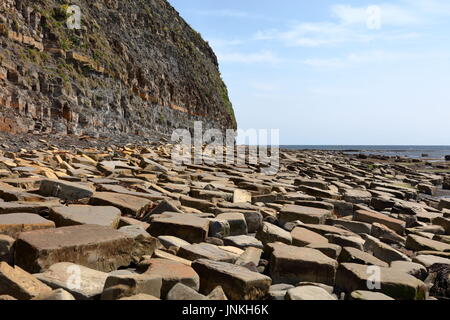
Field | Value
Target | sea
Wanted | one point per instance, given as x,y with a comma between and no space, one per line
414,152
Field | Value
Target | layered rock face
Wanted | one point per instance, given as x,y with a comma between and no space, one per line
134,67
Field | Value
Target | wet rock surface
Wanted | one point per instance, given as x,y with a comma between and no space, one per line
326,226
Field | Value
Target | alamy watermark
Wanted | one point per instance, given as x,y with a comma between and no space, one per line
213,147
73,22
374,278
373,21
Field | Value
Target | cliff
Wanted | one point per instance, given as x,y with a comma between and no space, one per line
134,67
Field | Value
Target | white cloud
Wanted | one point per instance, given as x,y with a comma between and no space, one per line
327,33
264,86
228,13
352,24
258,57
375,56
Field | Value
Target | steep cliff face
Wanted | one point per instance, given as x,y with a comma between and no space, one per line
134,67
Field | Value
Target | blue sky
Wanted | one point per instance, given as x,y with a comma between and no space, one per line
333,72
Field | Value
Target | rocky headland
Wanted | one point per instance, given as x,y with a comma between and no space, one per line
132,67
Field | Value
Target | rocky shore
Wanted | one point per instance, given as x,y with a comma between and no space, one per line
126,223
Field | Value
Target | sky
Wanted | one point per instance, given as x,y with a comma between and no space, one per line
333,72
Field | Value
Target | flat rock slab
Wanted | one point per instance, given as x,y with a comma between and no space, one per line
93,246
309,293
187,227
302,237
171,241
291,265
65,190
383,251
250,255
15,207
354,255
180,292
237,222
325,229
121,285
329,249
353,226
369,296
346,241
415,269
396,284
130,205
24,183
79,214
372,217
237,282
428,260
19,284
316,192
206,251
309,215
243,242
357,196
241,196
418,243
269,233
14,223
171,272
88,284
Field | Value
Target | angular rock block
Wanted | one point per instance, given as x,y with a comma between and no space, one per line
187,227
302,237
237,282
418,243
308,215
171,272
92,246
393,283
291,265
206,251
65,190
269,233
82,282
79,214
19,284
353,255
126,285
130,205
14,223
237,222
309,293
372,217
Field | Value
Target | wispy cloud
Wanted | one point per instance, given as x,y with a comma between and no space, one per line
326,34
247,58
351,24
228,13
375,56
